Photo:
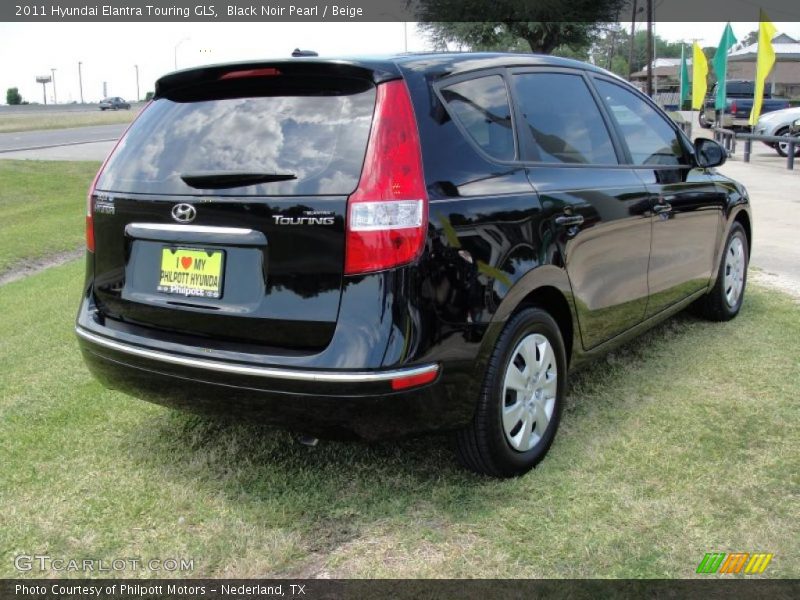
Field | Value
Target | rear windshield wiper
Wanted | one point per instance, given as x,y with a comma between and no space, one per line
214,180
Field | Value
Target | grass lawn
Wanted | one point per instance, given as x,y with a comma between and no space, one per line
684,442
28,121
42,208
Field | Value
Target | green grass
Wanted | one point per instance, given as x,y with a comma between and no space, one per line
42,208
28,121
685,442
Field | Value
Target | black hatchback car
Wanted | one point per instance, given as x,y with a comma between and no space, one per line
377,247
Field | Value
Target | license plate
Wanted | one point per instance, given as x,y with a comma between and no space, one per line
191,272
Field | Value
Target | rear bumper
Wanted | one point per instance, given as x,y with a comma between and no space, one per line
324,403
346,378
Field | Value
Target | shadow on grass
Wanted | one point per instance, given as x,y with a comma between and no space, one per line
329,493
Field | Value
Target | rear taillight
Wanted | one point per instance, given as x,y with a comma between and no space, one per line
733,108
387,215
90,195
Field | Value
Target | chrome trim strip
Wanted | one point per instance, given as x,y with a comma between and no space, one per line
190,228
272,372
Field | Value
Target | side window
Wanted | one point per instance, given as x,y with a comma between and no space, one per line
650,138
481,106
562,119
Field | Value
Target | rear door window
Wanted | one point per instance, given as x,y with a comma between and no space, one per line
481,106
319,136
562,119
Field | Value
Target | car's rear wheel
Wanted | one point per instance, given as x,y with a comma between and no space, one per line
520,404
724,301
704,123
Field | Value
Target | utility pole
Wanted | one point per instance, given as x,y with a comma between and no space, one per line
650,48
80,80
137,81
55,98
175,51
633,39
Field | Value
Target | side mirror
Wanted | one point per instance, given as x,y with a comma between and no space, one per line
795,127
708,153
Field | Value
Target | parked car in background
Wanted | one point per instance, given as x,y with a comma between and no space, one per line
778,123
379,247
738,104
114,103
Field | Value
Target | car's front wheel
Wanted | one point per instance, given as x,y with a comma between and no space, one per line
521,399
782,148
725,299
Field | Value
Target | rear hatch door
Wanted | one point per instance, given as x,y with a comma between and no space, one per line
221,214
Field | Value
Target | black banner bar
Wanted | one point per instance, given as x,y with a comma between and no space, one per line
382,10
315,589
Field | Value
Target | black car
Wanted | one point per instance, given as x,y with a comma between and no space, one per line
115,103
380,247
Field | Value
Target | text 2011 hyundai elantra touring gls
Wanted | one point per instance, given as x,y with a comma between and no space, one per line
374,247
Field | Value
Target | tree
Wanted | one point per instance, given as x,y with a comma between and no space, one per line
750,38
149,96
13,96
516,24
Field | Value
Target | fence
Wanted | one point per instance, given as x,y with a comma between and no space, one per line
728,139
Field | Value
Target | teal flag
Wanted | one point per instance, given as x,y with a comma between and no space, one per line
720,63
685,85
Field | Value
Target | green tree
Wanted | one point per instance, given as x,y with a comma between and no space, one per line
149,96
516,24
13,96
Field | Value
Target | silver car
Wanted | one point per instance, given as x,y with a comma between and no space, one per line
778,123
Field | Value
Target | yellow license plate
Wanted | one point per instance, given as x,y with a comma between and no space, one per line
190,272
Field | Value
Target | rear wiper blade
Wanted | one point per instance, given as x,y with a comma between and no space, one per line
214,180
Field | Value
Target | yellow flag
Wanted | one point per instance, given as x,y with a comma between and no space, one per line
699,77
764,63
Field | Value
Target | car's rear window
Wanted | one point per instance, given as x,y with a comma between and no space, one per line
320,138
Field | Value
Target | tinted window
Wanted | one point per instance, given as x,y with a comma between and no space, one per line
481,105
650,138
321,139
562,119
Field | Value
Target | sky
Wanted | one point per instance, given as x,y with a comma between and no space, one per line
109,51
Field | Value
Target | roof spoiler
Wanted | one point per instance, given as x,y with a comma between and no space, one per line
174,83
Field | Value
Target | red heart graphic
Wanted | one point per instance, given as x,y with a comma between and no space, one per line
186,261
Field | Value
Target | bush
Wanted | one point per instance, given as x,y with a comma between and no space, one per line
13,96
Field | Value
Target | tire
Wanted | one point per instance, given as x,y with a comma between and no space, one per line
783,149
487,445
720,304
704,123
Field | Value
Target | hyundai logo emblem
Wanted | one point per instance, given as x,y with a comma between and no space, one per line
184,213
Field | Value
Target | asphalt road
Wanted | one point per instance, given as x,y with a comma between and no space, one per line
48,138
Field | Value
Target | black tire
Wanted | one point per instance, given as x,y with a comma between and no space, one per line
778,149
714,306
482,446
704,123
783,152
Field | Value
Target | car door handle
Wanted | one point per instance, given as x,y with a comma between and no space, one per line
662,208
569,220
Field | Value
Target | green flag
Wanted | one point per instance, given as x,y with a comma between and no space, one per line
685,85
720,63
